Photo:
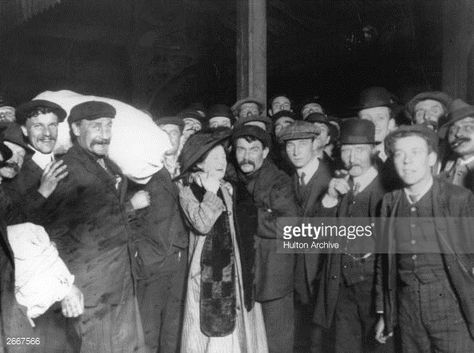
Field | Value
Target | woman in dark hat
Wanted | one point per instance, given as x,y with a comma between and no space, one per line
216,318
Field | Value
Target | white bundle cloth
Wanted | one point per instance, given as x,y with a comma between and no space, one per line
41,277
137,145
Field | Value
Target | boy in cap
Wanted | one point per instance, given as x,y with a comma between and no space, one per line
345,295
278,103
458,131
424,274
86,216
265,193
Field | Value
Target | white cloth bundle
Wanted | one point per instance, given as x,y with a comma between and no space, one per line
41,277
138,144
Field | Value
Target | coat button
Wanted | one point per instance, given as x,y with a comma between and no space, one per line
334,277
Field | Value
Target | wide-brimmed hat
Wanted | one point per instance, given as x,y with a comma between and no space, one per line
356,131
376,97
24,109
458,110
299,130
238,104
174,120
198,145
439,96
12,133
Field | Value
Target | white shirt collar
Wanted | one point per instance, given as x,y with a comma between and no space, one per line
465,161
41,159
365,179
309,169
420,194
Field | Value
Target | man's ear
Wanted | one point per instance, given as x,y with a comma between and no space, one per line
432,158
25,131
270,112
391,124
75,129
266,150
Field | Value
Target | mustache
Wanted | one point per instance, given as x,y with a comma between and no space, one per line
459,140
101,142
247,161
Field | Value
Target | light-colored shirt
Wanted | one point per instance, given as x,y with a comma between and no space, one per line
365,179
308,170
41,159
413,198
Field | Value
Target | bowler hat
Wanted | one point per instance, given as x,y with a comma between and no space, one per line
174,120
197,146
458,110
24,110
299,130
253,131
91,110
192,114
439,96
356,131
376,97
12,133
220,110
239,103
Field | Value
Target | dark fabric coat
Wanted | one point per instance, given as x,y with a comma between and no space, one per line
331,269
449,201
160,226
307,265
86,218
271,192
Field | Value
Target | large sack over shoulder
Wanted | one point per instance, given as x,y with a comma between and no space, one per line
137,144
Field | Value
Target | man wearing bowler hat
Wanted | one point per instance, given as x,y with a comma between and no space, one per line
425,268
345,296
265,193
430,108
86,217
220,115
310,182
458,131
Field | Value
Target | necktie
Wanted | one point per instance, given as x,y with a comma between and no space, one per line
356,188
460,173
413,198
302,176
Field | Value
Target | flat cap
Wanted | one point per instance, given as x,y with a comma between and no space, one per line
24,110
299,130
239,103
262,118
174,120
439,96
318,118
91,110
253,131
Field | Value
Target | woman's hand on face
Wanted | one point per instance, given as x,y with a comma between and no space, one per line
209,182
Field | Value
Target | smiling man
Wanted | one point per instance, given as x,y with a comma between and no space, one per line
459,132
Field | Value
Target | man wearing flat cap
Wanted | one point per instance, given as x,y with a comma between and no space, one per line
458,132
425,268
161,241
429,108
220,115
249,106
323,137
265,193
278,103
345,296
87,218
310,182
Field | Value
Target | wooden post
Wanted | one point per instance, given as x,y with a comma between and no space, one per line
252,49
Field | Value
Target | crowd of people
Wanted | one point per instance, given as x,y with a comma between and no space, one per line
188,261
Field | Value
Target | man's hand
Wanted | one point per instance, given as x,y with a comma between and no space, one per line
379,331
338,186
140,199
73,304
52,174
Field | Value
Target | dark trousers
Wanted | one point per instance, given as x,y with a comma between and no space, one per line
278,315
355,320
430,319
161,302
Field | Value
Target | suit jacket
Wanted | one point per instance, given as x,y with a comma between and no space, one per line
331,267
159,227
307,265
86,218
449,201
271,193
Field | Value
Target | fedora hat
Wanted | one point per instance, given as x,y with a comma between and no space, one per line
458,110
356,131
439,96
376,97
198,145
